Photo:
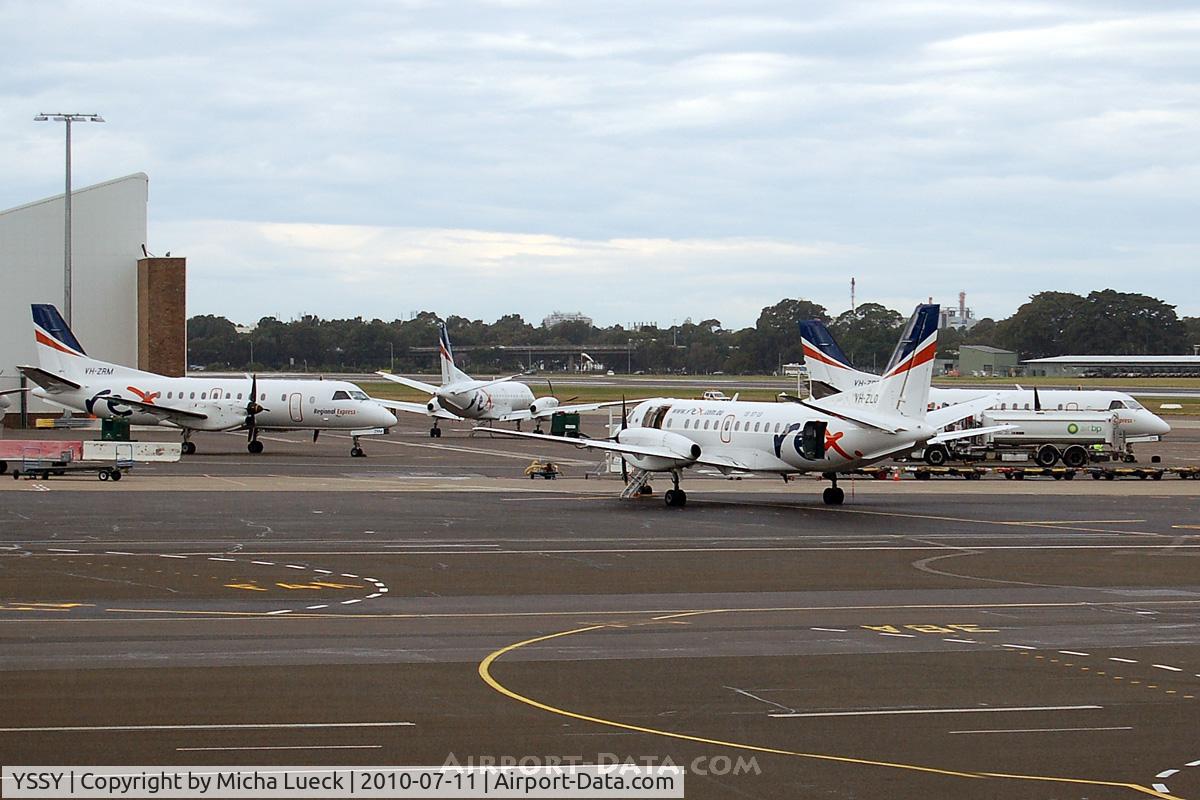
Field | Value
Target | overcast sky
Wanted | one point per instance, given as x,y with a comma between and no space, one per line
636,161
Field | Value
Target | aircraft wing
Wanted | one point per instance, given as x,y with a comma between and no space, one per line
48,380
590,444
180,416
415,408
427,388
949,436
12,391
577,408
941,417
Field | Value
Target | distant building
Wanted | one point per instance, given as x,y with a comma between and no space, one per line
1114,366
557,317
982,359
961,318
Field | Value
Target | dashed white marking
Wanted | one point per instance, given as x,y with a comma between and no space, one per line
961,641
372,596
1167,667
264,563
348,575
281,611
831,630
372,580
285,747
233,726
117,553
901,635
323,571
1123,660
383,588
214,558
351,602
1166,773
61,550
1048,730
1019,646
1193,764
933,711
294,566
1073,653
1161,787
314,608
168,555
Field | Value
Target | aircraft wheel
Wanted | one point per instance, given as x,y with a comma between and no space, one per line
676,498
834,495
255,446
115,474
356,452
646,489
189,448
102,474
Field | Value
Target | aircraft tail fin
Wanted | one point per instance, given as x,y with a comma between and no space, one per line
827,364
60,353
903,389
450,372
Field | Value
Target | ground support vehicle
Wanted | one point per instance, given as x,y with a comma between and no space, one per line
1076,438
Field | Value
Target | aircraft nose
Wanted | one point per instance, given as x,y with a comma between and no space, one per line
1160,426
382,417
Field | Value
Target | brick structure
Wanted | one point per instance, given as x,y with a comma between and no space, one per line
162,315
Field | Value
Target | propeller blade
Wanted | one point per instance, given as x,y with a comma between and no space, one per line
624,425
551,385
1037,401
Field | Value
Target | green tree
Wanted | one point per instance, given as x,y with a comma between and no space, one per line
777,333
868,335
1038,329
1124,323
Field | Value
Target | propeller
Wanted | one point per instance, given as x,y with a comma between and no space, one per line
554,394
252,407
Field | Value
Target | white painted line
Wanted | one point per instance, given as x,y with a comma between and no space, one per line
383,589
1167,667
229,727
831,630
901,635
117,553
167,555
214,558
264,563
285,747
1047,730
350,602
348,575
324,571
1019,646
61,550
1073,653
934,711
294,566
314,608
274,613
1124,660
372,596
961,641
1166,773
1193,764
372,580
1160,787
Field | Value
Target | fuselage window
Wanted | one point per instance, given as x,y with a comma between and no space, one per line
239,395
777,427
737,426
204,395
685,423
756,426
283,398
192,396
668,423
1003,406
705,424
169,395
312,400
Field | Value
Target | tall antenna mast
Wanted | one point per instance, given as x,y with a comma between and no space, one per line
852,306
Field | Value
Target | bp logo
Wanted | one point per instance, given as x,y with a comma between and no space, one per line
1072,428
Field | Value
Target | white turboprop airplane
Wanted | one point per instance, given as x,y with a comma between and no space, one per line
833,435
829,367
461,397
67,377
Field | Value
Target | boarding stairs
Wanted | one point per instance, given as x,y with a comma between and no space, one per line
637,479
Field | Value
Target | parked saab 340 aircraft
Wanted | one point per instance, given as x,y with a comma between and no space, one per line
462,397
831,371
831,435
67,377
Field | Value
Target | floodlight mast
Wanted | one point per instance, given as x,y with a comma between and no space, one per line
68,119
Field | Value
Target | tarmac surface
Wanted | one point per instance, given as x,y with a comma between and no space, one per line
933,639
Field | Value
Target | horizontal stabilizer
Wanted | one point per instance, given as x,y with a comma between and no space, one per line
427,388
48,380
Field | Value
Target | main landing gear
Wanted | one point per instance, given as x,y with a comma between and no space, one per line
675,498
833,495
435,432
189,447
254,446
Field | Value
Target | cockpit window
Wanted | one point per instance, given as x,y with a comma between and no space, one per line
1115,404
341,395
359,395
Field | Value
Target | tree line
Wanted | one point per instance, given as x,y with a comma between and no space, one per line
1050,324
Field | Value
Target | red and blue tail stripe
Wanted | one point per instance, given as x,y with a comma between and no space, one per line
918,345
819,344
444,344
52,330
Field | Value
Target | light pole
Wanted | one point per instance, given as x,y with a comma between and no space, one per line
68,119
629,356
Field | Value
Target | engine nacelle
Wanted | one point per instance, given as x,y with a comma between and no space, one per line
434,406
543,406
220,417
684,451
